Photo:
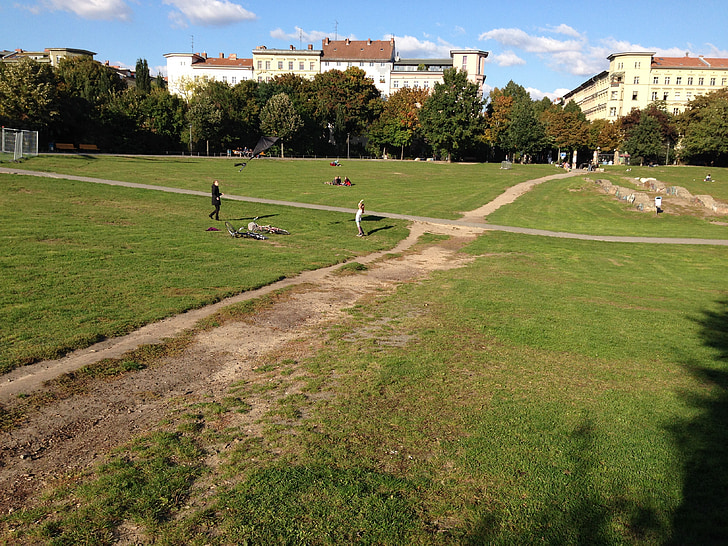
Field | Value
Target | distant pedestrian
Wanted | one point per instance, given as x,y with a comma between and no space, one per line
216,194
359,213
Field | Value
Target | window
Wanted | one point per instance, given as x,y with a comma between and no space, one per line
690,80
654,95
267,65
655,80
280,65
615,95
224,79
664,96
406,83
613,112
234,80
395,84
301,66
677,95
290,65
426,84
634,95
712,81
260,65
465,62
700,81
678,80
637,64
689,95
326,64
723,81
361,63
667,80
636,80
313,65
676,111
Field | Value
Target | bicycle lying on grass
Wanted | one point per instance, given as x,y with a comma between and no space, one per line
254,227
242,233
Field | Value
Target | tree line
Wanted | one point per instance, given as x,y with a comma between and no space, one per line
335,113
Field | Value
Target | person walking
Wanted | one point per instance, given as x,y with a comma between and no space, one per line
216,194
359,213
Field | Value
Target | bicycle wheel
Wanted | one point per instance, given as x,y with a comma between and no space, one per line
279,231
231,230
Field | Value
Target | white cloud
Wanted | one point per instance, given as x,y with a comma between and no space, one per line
96,10
515,37
305,36
207,12
507,58
566,30
411,47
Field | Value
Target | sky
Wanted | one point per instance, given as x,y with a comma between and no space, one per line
548,48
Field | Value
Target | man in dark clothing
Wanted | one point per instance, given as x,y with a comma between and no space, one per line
216,194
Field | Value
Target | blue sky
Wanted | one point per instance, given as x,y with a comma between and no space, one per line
546,47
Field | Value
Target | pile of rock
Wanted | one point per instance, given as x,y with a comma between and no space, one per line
644,202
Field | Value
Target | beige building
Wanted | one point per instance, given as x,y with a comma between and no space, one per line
636,79
425,73
50,55
269,63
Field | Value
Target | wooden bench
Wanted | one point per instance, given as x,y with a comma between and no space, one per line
62,147
88,147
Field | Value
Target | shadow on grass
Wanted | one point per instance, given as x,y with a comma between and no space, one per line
702,518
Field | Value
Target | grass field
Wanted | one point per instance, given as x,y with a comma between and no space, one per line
554,391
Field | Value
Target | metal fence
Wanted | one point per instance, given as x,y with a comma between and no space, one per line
18,142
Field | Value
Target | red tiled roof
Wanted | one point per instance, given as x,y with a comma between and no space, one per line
218,62
358,50
689,62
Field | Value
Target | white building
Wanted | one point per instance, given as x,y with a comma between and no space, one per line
377,58
184,69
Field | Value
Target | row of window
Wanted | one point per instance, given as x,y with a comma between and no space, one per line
679,80
613,111
415,85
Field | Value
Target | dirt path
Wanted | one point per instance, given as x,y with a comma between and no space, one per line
65,437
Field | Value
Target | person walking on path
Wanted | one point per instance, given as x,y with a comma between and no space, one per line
216,194
359,213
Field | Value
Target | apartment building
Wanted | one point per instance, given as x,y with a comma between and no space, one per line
50,55
269,63
186,68
377,58
636,79
374,57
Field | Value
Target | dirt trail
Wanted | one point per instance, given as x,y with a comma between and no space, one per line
67,436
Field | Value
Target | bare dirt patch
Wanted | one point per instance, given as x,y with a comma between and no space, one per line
61,439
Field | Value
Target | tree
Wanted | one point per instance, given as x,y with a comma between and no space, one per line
645,145
345,102
567,127
452,117
645,139
704,126
143,81
399,124
279,118
28,95
525,134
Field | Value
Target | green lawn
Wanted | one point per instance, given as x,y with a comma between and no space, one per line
553,391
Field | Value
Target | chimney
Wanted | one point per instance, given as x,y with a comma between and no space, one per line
233,57
369,41
310,47
347,41
291,47
204,55
327,41
222,55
